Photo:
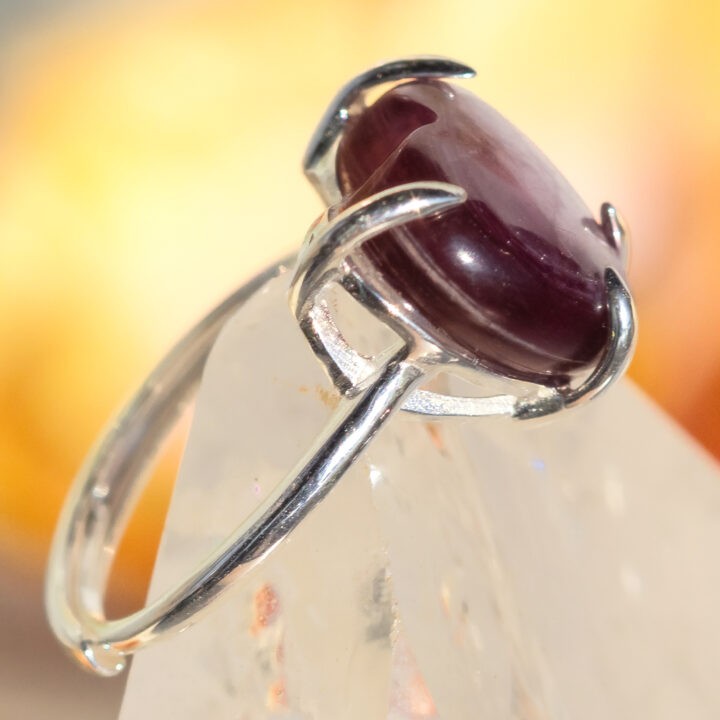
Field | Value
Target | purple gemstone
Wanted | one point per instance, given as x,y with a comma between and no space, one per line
513,278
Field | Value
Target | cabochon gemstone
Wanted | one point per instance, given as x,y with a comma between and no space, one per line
512,279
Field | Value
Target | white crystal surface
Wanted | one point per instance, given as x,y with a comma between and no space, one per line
462,570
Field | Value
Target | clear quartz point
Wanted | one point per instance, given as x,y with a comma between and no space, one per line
462,570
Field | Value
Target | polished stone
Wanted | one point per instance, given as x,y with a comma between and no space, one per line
512,279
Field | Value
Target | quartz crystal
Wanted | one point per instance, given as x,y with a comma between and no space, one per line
513,278
483,570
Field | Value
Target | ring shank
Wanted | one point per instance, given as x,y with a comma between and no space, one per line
106,488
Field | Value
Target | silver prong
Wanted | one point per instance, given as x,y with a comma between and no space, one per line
615,359
318,163
327,248
360,222
615,230
620,345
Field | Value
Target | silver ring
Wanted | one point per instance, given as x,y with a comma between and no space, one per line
372,389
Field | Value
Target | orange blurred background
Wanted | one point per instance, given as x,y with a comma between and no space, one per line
150,163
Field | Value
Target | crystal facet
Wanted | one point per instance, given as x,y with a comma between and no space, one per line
512,279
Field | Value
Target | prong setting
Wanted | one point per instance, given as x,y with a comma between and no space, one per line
323,263
347,367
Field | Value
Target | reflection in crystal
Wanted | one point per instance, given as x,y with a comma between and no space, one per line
266,632
265,608
410,698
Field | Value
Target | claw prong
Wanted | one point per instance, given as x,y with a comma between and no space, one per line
614,229
318,162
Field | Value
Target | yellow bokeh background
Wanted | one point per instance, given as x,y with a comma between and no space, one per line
150,163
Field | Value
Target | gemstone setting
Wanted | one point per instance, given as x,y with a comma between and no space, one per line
512,280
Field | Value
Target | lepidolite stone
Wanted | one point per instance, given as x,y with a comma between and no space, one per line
512,279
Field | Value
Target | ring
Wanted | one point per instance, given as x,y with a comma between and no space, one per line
451,229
